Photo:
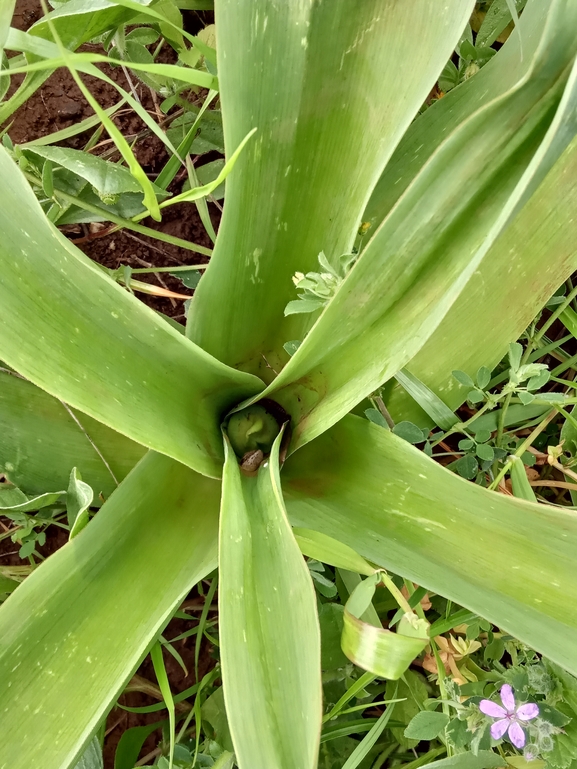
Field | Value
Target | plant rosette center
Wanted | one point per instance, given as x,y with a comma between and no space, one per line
252,432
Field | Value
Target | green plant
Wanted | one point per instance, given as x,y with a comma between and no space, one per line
456,210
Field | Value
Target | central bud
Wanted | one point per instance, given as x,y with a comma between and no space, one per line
252,432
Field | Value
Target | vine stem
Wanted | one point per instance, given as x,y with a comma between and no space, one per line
523,447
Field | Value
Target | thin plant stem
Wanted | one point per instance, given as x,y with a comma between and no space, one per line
181,268
461,427
523,447
396,593
125,223
554,316
384,411
94,446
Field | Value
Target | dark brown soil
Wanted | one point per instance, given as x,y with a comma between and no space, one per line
120,720
57,105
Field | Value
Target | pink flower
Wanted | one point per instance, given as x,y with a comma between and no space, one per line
509,716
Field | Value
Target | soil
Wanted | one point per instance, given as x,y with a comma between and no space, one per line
59,104
56,105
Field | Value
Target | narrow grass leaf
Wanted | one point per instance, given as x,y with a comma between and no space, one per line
202,623
84,61
22,41
173,164
431,404
363,748
76,22
201,192
73,130
115,134
164,686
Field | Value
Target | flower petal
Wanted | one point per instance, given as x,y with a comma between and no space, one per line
499,728
527,712
492,709
516,735
507,698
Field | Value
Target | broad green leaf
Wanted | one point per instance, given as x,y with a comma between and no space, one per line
211,136
269,632
380,651
324,135
484,759
41,440
109,179
497,304
78,500
430,129
71,330
534,244
92,756
329,550
130,745
6,12
506,559
78,21
76,629
426,725
519,481
423,254
15,501
498,16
